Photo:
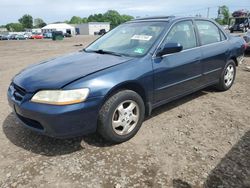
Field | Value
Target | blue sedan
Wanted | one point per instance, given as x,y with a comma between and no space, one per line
110,86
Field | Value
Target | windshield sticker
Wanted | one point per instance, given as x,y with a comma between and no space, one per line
141,37
139,50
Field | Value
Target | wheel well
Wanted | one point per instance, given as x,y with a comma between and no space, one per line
235,60
130,86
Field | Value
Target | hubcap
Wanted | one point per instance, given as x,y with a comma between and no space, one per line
125,117
229,75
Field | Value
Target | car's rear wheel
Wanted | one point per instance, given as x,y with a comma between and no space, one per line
227,77
121,116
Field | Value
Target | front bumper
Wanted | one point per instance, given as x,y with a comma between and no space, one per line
56,121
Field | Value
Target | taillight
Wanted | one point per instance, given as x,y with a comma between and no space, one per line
245,46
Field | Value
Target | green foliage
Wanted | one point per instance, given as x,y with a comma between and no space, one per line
111,16
127,18
84,20
14,27
219,21
75,20
39,23
224,11
27,21
96,18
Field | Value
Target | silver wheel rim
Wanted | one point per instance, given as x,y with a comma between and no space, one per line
229,75
125,117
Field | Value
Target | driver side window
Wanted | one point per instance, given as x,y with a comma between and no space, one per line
182,33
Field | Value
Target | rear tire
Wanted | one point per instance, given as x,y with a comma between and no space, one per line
227,77
121,116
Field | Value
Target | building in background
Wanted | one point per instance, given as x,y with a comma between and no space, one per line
65,28
3,29
35,30
92,28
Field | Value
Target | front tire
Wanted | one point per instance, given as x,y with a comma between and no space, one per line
121,116
227,77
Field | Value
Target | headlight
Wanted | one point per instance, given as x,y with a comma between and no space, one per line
61,97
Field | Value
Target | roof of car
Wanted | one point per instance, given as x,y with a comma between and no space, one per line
156,18
164,18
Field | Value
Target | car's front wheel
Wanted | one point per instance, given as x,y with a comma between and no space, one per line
121,116
227,77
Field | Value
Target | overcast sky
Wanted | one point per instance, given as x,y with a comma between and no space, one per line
60,10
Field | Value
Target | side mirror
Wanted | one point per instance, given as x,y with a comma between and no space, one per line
170,48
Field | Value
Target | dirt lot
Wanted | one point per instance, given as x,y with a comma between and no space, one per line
202,139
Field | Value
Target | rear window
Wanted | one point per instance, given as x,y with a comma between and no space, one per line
209,32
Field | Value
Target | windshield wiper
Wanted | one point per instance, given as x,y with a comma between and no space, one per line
100,51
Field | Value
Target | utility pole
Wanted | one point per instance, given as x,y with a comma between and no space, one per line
208,10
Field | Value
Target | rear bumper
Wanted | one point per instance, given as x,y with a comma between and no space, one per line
58,121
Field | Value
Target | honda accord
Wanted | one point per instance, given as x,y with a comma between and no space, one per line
111,85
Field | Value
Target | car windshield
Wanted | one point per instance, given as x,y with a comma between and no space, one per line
130,39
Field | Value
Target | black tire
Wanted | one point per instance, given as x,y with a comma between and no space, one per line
105,118
222,86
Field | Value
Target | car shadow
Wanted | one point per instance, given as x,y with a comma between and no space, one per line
179,102
178,183
247,54
43,145
233,171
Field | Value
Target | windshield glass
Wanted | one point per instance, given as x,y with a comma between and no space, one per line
131,39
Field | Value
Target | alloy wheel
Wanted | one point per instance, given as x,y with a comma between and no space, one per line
229,75
125,117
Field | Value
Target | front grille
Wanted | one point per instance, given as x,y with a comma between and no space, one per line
30,122
18,92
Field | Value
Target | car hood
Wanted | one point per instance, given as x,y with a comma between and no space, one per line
58,72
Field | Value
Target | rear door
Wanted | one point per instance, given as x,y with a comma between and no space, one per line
214,49
178,73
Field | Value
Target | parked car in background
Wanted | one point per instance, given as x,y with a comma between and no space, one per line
36,36
67,35
101,32
20,37
47,35
5,37
12,37
247,39
240,21
115,82
27,35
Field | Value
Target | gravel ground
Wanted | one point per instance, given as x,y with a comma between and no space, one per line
200,140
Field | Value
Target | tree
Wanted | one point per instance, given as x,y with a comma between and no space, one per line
27,21
16,27
75,20
126,18
96,18
39,23
224,15
113,17
84,20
